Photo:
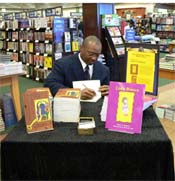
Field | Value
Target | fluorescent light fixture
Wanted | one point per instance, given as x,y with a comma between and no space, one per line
3,10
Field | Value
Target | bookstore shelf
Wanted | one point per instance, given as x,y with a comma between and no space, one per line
38,41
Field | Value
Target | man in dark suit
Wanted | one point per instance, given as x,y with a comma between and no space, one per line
71,68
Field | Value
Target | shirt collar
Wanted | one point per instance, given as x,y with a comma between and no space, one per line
84,65
82,62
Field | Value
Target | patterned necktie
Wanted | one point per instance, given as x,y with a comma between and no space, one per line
86,73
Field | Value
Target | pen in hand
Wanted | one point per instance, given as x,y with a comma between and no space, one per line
85,86
87,93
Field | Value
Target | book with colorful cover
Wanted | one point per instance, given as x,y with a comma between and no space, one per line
38,109
75,46
47,62
125,107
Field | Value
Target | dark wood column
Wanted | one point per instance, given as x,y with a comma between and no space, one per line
92,17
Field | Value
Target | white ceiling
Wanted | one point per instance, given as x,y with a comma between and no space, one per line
19,7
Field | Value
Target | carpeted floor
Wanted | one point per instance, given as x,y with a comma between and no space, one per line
163,81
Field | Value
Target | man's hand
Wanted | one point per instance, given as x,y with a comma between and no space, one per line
104,89
87,94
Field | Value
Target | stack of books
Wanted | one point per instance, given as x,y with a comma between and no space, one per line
4,58
66,106
11,68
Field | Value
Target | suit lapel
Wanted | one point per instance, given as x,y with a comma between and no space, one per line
95,72
77,69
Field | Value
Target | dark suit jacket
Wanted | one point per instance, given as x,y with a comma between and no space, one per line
69,69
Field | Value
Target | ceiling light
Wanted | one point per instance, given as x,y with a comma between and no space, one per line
3,10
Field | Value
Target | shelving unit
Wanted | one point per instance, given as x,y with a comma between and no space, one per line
115,41
38,41
165,30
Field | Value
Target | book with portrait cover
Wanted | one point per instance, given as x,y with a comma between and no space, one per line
125,107
38,110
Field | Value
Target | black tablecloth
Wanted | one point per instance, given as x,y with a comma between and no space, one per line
63,154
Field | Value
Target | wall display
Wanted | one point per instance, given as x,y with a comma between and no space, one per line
56,11
143,65
164,28
115,40
8,16
35,14
21,15
110,20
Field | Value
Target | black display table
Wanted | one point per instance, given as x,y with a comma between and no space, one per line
63,154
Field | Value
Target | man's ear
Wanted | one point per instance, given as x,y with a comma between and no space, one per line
81,48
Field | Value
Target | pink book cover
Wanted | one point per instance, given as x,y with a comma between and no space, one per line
125,107
148,101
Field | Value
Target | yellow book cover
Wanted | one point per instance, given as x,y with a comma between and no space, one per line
30,47
48,62
75,46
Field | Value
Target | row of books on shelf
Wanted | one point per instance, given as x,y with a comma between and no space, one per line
164,34
26,35
165,41
165,28
36,47
41,47
12,45
41,35
37,23
37,60
66,36
38,74
12,35
28,23
67,47
164,20
48,48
